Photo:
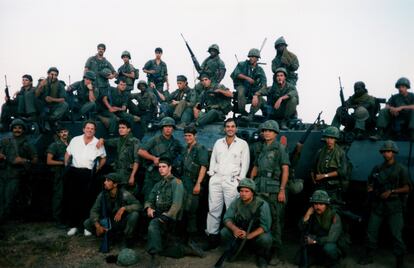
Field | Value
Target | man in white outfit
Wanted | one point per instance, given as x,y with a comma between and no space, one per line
229,163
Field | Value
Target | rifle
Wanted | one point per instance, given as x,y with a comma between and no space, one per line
193,57
341,94
6,90
106,223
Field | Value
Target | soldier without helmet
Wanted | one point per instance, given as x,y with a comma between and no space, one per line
83,103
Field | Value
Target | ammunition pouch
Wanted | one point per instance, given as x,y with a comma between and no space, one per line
267,185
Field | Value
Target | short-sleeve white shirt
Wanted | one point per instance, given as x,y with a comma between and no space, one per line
84,155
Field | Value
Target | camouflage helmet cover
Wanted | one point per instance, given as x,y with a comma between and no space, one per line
281,69
320,196
332,132
247,183
254,52
127,257
270,125
167,121
361,113
106,71
115,177
280,41
389,145
90,75
126,53
214,46
403,81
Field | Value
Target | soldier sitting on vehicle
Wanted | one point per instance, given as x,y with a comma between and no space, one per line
248,217
322,232
115,211
285,59
147,106
282,99
128,72
214,102
157,74
83,103
365,109
398,114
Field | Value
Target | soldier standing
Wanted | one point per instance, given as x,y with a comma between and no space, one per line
147,106
229,163
248,78
329,172
271,173
128,72
157,74
214,102
195,163
285,59
388,183
55,159
16,156
83,104
399,110
163,145
282,99
121,207
244,210
322,230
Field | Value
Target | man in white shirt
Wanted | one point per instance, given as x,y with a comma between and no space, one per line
80,157
229,163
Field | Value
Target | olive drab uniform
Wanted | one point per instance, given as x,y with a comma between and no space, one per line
160,75
54,110
11,175
290,62
193,160
183,111
97,66
27,103
167,199
383,178
244,89
57,149
128,68
241,214
147,105
269,173
126,155
159,146
405,116
327,161
215,68
215,105
80,103
129,219
287,108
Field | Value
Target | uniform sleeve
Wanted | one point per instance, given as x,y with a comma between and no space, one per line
392,101
148,65
111,67
334,232
131,203
230,212
265,217
274,66
343,165
292,92
51,149
149,144
293,62
88,63
284,156
32,151
178,197
262,77
150,201
404,177
203,156
95,212
137,146
112,142
238,70
165,69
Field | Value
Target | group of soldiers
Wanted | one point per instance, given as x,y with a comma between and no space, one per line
251,180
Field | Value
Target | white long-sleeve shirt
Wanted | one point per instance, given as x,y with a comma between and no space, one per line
230,160
83,155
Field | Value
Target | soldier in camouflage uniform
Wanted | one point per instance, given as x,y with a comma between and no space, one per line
116,101
179,104
388,184
282,99
127,71
248,78
285,59
163,145
399,111
16,156
329,171
241,212
52,92
195,163
214,102
122,209
157,74
55,159
147,106
365,111
126,162
271,173
102,68
83,103
322,232
213,66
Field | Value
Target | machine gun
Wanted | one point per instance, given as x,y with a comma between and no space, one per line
193,57
6,90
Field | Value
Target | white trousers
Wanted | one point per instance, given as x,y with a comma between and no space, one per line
222,190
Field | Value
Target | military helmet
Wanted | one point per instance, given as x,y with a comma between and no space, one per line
18,122
181,78
295,186
254,52
280,41
127,257
359,85
167,121
332,132
270,125
106,71
389,145
402,82
247,183
281,69
115,177
142,82
214,46
126,53
90,75
320,196
361,113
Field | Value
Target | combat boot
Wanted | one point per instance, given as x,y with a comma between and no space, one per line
399,261
378,136
192,249
213,241
261,262
367,258
155,261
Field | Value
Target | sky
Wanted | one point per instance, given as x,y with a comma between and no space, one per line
369,40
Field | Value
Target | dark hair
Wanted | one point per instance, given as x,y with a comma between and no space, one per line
101,45
89,122
28,76
124,122
121,79
190,129
229,120
165,160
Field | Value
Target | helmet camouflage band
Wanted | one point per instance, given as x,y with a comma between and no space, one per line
167,121
247,183
332,132
270,125
254,52
320,196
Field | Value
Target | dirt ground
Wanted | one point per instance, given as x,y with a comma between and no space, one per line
43,245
